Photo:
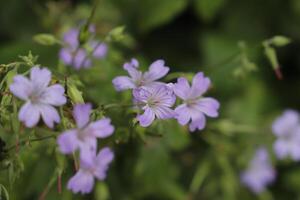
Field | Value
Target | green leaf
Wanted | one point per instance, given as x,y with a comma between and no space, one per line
116,34
153,13
74,94
3,193
207,9
272,56
45,39
280,41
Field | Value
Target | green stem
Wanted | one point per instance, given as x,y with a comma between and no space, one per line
24,142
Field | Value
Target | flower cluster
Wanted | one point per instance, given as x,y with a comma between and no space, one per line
77,55
84,138
156,98
40,100
260,172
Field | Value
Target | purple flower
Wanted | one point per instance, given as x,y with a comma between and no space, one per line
287,129
83,180
40,98
137,79
194,107
77,56
84,137
260,172
156,102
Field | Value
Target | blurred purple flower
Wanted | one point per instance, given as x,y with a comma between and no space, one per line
137,79
260,172
79,57
194,107
287,129
83,180
40,98
156,102
84,137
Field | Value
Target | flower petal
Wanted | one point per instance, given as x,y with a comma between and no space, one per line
147,118
200,85
81,59
182,88
286,123
21,87
209,106
71,38
197,123
40,78
101,128
156,71
49,115
29,114
123,83
103,159
182,114
131,68
82,182
68,141
163,112
281,148
81,114
101,49
54,95
65,54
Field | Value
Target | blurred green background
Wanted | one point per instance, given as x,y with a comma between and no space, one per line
213,36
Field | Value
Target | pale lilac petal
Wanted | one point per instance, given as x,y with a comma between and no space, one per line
81,114
163,112
81,59
147,118
29,114
123,83
65,55
286,123
131,68
102,128
100,50
133,63
40,78
156,71
164,94
103,159
54,95
88,151
82,182
295,151
68,141
200,85
49,115
142,94
209,106
281,148
182,114
198,123
182,88
21,87
71,38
